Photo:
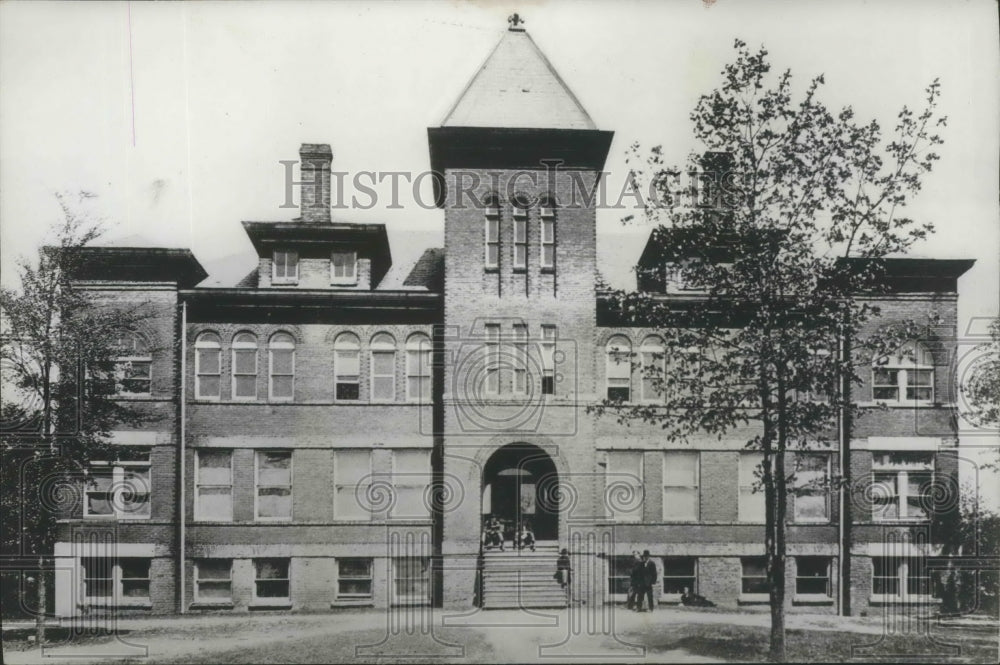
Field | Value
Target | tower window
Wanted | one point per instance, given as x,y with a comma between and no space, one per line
492,228
285,267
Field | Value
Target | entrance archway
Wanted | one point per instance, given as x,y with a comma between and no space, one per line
520,484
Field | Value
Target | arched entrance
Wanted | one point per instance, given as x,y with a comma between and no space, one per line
520,483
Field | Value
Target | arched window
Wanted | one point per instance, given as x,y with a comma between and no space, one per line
245,366
347,367
207,366
619,369
281,363
547,212
133,368
383,350
653,366
418,368
904,376
492,230
520,204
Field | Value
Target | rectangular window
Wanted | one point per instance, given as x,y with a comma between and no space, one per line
352,475
412,580
548,351
271,580
680,486
903,578
285,267
208,372
619,576
354,579
754,575
520,241
680,573
619,371
811,492
548,241
411,476
347,374
383,375
885,384
213,581
123,581
902,486
520,374
492,241
653,375
274,485
119,489
213,496
920,384
344,268
623,485
282,360
751,507
492,364
418,371
244,373
812,576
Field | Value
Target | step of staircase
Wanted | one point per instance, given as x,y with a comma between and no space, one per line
521,578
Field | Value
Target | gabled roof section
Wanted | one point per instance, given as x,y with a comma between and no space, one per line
517,87
428,272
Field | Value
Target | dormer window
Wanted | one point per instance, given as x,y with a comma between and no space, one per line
344,268
677,280
285,267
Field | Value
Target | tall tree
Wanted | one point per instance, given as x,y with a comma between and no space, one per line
981,387
788,213
60,354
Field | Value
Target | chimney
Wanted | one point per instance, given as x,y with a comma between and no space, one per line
315,159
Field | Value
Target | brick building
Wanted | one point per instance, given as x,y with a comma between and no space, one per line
318,438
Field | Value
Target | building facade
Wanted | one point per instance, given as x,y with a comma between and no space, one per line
317,438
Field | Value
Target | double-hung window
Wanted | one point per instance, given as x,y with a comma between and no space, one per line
347,367
412,580
906,376
354,579
491,352
119,489
902,579
812,576
213,581
271,581
383,352
548,351
619,369
902,486
411,477
134,367
653,369
207,366
213,481
274,485
548,223
281,359
285,267
680,486
344,268
520,358
680,573
245,366
492,232
623,493
753,576
114,582
811,500
418,368
352,471
520,238
752,502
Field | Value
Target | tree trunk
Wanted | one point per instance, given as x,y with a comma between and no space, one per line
777,650
42,609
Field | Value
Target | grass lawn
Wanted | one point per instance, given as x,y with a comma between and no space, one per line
747,643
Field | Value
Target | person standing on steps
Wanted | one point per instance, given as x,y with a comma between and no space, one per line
563,568
647,579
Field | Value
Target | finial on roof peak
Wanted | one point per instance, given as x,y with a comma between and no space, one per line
516,22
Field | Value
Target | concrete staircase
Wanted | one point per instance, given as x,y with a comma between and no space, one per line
513,578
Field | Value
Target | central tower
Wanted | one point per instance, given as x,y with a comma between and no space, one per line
518,161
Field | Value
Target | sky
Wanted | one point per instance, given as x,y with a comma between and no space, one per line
177,115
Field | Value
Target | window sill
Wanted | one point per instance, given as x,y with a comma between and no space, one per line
898,600
120,604
811,599
205,605
548,270
417,602
900,522
354,283
277,605
284,282
753,599
353,602
491,269
520,270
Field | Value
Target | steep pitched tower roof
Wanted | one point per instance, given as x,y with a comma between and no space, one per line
517,87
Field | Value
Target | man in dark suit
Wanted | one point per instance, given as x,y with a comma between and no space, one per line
647,578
